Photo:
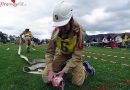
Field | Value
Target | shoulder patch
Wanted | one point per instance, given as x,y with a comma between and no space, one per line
78,32
80,45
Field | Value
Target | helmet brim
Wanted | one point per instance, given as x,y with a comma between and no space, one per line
62,23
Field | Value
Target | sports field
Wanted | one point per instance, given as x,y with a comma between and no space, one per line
112,68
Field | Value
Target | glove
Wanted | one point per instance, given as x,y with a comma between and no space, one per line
51,74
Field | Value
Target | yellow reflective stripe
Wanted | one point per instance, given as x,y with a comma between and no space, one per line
27,34
58,42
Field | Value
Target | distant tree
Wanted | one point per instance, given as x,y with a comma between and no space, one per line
4,38
47,41
36,41
1,36
12,38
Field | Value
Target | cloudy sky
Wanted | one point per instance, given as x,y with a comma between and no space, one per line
96,16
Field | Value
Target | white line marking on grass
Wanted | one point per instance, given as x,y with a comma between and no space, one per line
115,56
112,52
103,54
33,49
7,49
88,56
95,58
112,62
122,57
108,55
125,65
103,60
83,55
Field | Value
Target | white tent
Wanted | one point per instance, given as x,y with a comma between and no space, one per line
118,39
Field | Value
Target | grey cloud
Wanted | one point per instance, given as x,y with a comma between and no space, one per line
118,20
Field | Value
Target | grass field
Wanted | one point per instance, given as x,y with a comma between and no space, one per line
112,69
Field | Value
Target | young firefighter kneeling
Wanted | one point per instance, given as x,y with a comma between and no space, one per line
67,39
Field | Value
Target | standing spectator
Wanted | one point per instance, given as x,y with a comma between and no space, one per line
118,40
124,40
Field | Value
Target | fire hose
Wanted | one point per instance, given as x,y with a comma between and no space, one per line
37,66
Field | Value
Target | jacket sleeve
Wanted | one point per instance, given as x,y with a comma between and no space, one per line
22,33
50,52
77,54
31,34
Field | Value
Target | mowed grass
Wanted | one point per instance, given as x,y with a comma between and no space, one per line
108,76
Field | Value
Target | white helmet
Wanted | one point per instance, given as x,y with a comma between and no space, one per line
62,14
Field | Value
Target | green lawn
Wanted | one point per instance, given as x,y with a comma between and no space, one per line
108,76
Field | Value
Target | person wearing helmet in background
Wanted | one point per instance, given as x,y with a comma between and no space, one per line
65,45
27,36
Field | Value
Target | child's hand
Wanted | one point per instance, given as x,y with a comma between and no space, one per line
51,74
